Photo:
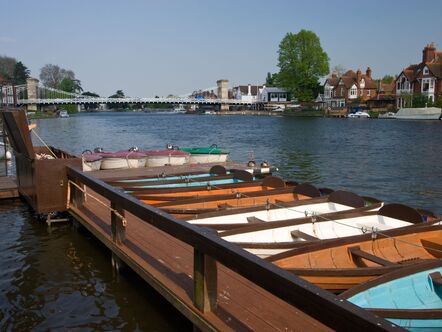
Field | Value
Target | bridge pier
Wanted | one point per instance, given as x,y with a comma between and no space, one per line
223,93
32,89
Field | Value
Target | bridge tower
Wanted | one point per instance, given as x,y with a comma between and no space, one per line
223,93
32,89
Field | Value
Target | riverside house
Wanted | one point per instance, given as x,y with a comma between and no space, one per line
351,86
422,78
247,93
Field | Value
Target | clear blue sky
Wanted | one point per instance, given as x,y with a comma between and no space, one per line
149,48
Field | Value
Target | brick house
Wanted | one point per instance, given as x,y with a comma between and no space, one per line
340,91
422,78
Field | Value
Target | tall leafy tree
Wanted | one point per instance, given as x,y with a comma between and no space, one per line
301,61
70,85
7,65
21,73
118,94
271,79
53,75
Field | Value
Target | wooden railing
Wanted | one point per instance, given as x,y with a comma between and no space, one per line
209,248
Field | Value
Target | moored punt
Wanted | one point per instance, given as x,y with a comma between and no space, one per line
270,238
217,181
156,158
188,208
340,264
122,159
409,297
336,201
269,184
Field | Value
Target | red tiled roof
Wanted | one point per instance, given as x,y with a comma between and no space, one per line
435,69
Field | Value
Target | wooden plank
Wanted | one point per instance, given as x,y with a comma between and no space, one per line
358,253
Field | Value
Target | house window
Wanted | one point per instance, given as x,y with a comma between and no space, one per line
353,91
362,92
431,84
368,93
426,71
425,85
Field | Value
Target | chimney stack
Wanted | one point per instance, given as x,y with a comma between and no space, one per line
429,53
368,72
358,75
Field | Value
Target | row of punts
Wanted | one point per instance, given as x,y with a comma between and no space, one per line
136,158
381,256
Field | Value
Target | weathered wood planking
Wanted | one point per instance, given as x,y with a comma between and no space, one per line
8,187
167,265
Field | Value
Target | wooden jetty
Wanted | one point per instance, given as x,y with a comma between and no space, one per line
217,285
8,187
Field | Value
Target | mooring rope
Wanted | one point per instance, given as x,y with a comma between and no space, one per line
118,214
44,143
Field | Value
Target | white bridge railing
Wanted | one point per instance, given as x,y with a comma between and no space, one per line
99,100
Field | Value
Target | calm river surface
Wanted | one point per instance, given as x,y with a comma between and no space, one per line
61,278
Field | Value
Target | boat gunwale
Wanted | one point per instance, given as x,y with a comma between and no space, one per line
403,272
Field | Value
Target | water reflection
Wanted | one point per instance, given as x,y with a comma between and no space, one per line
62,279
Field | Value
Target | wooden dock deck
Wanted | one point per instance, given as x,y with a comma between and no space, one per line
215,284
8,187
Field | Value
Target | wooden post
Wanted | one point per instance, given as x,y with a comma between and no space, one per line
117,227
205,281
77,195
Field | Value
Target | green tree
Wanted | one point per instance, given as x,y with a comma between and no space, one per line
301,61
90,106
117,94
7,65
70,85
438,102
21,73
90,94
420,100
271,79
387,79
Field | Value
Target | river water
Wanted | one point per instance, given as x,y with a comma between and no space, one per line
60,278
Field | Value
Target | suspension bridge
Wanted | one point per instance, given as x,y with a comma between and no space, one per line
34,94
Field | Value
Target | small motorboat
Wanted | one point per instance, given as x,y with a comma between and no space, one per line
210,154
359,115
171,157
409,297
122,159
62,114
